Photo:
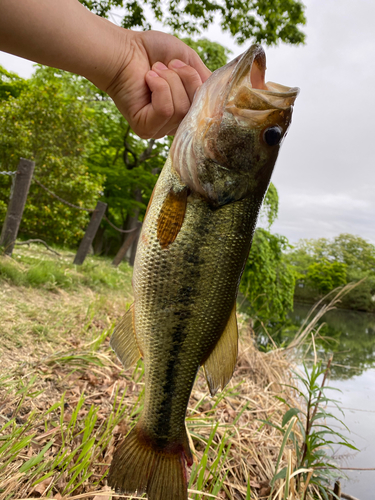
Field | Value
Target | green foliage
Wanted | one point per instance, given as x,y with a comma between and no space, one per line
212,54
50,126
10,84
318,261
115,153
270,207
326,276
317,434
268,280
267,21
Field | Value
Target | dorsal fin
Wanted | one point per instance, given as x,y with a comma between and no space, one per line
219,366
123,340
171,216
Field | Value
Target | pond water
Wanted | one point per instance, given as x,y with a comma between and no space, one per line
350,336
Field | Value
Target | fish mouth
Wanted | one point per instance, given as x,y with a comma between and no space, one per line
248,95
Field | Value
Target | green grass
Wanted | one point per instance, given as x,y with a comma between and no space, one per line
35,267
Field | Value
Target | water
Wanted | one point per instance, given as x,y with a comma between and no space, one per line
350,335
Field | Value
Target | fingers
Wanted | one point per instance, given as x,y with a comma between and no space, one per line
197,63
154,117
188,75
172,92
180,98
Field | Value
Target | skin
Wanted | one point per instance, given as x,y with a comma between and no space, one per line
151,76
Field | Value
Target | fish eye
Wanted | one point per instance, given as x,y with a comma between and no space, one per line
272,135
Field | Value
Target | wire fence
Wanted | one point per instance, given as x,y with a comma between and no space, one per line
19,191
82,208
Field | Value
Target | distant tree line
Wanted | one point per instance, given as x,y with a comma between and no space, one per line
321,265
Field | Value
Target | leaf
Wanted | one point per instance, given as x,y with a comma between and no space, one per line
288,415
280,475
37,459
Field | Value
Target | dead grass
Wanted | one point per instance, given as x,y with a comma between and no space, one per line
65,403
233,449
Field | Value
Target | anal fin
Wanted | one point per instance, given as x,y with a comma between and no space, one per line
123,340
219,366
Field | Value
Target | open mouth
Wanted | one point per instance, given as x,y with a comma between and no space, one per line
248,89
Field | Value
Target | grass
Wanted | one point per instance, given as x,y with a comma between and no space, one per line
66,402
62,417
69,304
36,267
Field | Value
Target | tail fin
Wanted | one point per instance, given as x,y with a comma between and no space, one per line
139,467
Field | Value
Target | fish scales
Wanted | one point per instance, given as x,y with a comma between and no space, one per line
185,298
195,240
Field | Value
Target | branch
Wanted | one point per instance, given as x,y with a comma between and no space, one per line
147,152
128,149
38,241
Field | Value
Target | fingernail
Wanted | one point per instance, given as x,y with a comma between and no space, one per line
176,63
152,73
159,65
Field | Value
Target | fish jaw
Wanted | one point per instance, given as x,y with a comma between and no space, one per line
227,145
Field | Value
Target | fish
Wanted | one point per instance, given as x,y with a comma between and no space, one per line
194,243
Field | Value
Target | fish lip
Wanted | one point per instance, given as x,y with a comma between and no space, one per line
243,69
244,63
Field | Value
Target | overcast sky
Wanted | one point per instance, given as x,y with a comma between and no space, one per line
325,174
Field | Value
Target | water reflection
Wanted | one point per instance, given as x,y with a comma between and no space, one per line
350,335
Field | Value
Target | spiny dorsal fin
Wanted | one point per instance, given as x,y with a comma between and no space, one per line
219,366
123,340
171,216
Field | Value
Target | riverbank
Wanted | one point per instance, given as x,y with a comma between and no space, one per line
66,402
361,298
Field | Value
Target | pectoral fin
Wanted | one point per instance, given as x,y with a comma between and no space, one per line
171,216
219,366
123,340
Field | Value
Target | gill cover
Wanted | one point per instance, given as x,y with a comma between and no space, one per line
226,147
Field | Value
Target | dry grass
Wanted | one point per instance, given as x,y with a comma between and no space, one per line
234,449
65,403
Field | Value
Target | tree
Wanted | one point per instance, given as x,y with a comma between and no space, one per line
45,124
316,260
325,276
268,280
212,54
268,21
11,85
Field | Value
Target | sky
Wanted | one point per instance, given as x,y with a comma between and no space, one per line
325,174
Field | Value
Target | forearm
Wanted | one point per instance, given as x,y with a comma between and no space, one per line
62,34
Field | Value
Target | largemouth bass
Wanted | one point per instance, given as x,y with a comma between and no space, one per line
194,244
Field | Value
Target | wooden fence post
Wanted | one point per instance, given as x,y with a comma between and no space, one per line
16,205
126,245
90,233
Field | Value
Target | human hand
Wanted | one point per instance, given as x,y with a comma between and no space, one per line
156,82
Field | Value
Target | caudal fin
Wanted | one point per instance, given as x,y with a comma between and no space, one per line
139,467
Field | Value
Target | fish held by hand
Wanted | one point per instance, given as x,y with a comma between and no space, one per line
195,240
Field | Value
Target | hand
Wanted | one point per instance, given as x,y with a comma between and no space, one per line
143,72
156,83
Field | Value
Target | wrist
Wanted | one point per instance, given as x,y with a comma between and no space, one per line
109,53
